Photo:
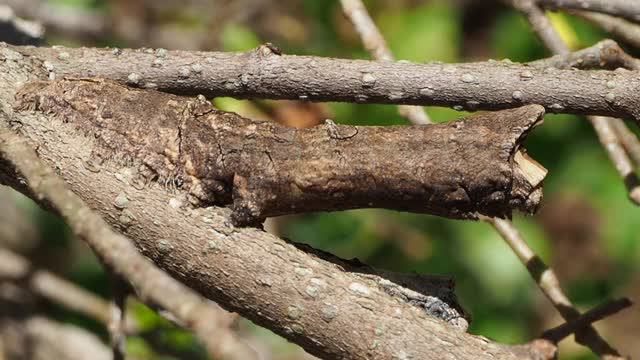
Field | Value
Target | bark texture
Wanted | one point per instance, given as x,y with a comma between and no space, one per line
261,73
333,308
455,169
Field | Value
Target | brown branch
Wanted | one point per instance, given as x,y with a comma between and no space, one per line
622,29
150,283
598,313
263,74
627,9
216,155
377,46
333,308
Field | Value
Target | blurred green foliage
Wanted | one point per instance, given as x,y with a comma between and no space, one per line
491,282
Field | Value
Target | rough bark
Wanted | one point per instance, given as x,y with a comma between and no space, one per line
333,308
455,169
261,73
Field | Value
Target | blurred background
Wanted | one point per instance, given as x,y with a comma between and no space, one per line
587,229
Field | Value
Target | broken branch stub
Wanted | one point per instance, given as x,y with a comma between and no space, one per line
458,169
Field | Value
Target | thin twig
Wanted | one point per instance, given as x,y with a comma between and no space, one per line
627,31
613,145
150,283
629,140
548,282
377,46
605,54
598,313
16,268
117,323
627,9
541,25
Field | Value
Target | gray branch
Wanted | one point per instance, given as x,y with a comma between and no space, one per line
261,73
627,9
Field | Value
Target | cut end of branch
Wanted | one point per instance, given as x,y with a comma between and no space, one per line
528,176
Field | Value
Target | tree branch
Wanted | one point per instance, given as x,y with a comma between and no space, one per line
264,74
150,283
541,25
606,54
215,155
333,308
628,139
627,9
598,313
39,338
15,268
622,29
548,283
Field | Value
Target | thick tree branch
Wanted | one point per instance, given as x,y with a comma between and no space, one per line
627,9
443,169
333,308
151,284
264,74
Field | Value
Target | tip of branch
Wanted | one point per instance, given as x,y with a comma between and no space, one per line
528,174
